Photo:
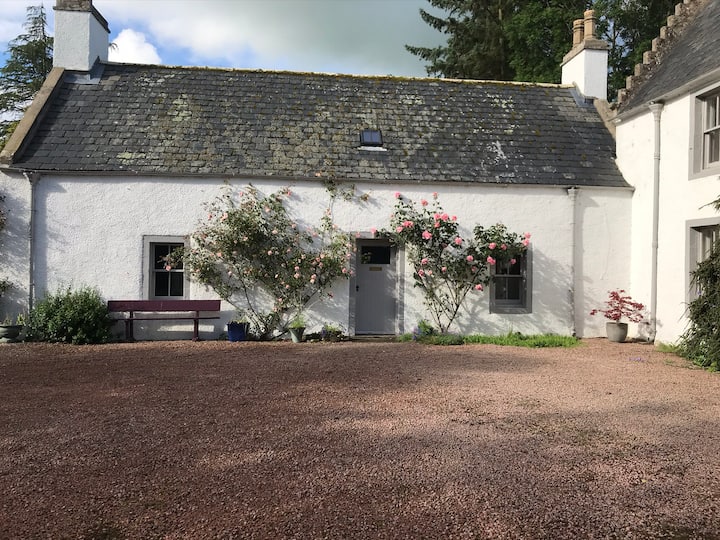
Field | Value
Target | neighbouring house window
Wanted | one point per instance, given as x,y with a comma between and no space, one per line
510,286
163,281
702,240
711,130
706,153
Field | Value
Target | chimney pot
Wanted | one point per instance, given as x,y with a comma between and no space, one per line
578,31
590,24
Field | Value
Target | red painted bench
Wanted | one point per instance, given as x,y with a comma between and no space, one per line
142,310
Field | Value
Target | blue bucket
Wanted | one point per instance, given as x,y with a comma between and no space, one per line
238,331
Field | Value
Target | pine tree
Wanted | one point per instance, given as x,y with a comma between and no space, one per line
29,62
525,40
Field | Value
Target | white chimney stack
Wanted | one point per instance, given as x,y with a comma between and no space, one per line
81,35
586,65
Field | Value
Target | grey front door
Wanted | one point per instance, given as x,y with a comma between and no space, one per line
376,288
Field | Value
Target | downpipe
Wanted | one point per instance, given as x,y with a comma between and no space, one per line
656,108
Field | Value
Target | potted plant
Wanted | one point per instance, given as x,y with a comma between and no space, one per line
10,328
330,332
297,328
619,305
238,328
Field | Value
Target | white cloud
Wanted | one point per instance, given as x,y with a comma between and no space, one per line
132,47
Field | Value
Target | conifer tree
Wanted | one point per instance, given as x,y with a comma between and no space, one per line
29,62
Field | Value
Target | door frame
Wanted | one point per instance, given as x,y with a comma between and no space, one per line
368,238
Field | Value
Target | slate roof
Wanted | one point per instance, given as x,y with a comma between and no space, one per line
691,55
153,120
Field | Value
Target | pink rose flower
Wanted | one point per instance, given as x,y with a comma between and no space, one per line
423,202
443,269
444,217
421,273
398,229
437,224
424,260
435,194
478,287
453,218
490,261
373,230
397,195
458,241
426,235
513,261
503,247
492,245
527,235
526,242
470,258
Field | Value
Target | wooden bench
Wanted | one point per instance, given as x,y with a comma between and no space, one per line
141,310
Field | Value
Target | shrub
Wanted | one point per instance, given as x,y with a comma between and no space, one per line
77,317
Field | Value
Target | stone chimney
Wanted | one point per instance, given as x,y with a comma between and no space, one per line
81,35
586,65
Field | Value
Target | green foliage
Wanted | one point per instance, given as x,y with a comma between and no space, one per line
513,339
29,62
446,265
252,254
629,28
516,339
476,45
525,40
701,342
68,316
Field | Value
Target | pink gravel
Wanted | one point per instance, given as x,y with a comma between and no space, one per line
356,440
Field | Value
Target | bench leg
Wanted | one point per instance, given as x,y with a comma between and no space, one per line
129,336
196,324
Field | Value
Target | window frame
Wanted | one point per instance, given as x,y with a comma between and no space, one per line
705,133
524,304
149,270
700,236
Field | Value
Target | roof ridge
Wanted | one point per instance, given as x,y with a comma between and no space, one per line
342,75
685,12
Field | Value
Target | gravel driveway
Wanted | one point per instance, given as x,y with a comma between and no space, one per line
356,440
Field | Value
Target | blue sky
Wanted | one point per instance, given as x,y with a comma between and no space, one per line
336,36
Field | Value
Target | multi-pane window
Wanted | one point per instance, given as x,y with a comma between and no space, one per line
702,241
711,130
165,281
510,286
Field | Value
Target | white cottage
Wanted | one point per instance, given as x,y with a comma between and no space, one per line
668,149
112,163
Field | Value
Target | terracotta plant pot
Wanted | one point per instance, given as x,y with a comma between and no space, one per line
616,331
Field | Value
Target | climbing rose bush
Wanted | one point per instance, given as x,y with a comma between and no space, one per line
255,256
447,265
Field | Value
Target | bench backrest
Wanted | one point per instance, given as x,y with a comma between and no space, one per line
163,305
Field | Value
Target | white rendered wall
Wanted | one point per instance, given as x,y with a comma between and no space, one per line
588,70
681,199
80,40
14,243
90,232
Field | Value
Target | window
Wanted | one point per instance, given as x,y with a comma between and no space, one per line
706,138
702,239
510,290
711,130
163,282
371,137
